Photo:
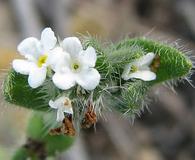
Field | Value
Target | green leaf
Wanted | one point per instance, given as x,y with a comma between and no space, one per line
17,91
37,130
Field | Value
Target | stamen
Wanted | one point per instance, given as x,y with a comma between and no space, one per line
133,69
67,103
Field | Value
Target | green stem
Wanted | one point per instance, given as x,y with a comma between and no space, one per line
21,154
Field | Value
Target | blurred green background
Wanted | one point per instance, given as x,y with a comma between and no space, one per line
165,131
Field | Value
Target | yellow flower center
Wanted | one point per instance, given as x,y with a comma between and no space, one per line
42,60
75,66
133,69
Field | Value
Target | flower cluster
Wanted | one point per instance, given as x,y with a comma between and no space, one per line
69,65
72,65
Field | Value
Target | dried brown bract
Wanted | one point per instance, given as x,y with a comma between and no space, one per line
67,128
90,117
155,64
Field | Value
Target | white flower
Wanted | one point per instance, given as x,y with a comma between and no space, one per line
77,66
36,52
63,105
140,69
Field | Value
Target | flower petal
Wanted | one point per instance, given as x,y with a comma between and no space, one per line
145,60
125,74
89,57
64,81
143,75
59,102
22,66
57,59
37,76
72,45
48,39
53,105
88,79
60,115
30,46
68,109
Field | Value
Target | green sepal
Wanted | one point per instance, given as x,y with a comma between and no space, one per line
130,100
